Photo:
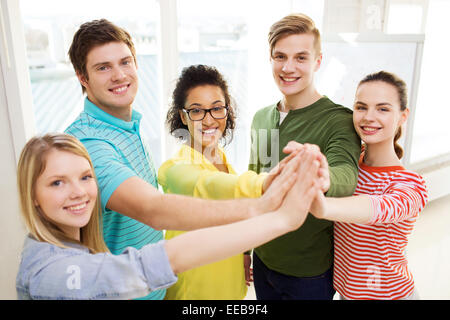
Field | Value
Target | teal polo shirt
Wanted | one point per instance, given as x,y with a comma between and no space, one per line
117,152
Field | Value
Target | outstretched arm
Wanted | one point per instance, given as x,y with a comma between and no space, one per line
401,202
357,209
188,250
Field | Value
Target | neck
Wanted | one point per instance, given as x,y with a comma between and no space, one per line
381,155
123,113
303,99
210,152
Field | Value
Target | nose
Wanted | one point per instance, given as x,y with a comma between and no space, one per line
208,119
117,74
77,190
288,66
369,115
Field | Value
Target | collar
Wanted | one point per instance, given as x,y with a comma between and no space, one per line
101,115
187,152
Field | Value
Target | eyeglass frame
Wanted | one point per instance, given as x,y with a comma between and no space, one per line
205,112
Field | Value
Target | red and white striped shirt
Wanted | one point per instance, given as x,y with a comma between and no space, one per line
370,261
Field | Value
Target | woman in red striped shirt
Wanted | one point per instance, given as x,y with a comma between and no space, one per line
372,227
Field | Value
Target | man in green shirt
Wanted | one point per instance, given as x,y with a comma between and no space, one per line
299,265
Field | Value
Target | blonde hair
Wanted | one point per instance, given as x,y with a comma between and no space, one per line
296,23
31,165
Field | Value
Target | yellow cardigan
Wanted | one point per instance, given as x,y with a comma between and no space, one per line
190,173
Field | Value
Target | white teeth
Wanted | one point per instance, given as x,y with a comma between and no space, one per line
79,207
210,131
289,79
369,129
120,90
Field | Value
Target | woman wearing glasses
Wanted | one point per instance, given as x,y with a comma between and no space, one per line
201,115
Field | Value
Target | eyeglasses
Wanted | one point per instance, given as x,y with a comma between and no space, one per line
197,114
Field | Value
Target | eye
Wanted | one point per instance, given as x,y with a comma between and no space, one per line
196,111
360,108
102,68
56,183
301,58
278,57
216,109
87,177
384,109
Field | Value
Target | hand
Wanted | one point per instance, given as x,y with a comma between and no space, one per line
272,198
248,271
277,170
298,200
324,172
319,206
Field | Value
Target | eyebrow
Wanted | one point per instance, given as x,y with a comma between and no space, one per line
304,52
109,62
195,104
378,104
57,176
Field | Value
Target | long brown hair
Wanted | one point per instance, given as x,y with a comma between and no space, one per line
31,165
400,86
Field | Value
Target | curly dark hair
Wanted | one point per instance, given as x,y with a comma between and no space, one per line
190,78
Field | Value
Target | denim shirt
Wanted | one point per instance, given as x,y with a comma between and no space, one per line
47,271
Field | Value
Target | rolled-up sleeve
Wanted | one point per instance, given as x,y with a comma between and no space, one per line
193,180
75,274
401,202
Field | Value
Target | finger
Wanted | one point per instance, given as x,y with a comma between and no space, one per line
292,146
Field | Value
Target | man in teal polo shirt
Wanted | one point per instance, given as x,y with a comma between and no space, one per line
134,211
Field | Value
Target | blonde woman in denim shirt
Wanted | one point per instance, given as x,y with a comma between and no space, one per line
64,256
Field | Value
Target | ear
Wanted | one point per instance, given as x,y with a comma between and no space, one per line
404,116
183,117
82,79
318,62
36,204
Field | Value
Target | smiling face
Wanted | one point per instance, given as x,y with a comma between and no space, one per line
208,131
66,191
112,78
377,114
294,62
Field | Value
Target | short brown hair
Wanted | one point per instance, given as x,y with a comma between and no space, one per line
296,23
92,34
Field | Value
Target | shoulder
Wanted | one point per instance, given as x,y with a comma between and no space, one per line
265,113
335,110
408,177
37,255
86,127
82,126
185,163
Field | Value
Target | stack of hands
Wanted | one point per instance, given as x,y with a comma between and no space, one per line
299,180
295,187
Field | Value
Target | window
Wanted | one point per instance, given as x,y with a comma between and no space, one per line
431,135
359,37
57,97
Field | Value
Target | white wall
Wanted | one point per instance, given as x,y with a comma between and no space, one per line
11,229
16,126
